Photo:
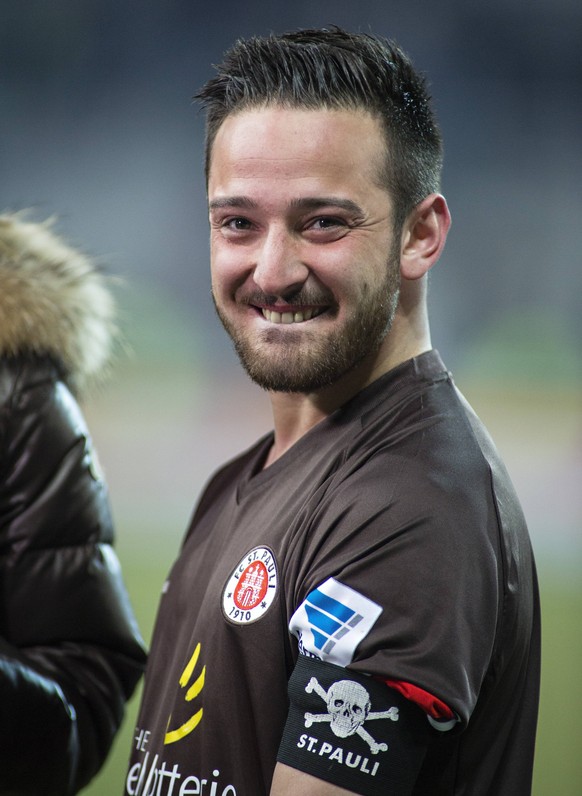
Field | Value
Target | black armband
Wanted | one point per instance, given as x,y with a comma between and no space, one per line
352,731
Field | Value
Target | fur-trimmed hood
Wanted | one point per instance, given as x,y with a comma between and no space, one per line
53,301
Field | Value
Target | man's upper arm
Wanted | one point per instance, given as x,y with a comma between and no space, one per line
289,781
350,730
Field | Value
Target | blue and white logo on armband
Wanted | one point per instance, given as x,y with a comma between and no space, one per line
331,622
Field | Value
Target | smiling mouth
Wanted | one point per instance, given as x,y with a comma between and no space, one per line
292,316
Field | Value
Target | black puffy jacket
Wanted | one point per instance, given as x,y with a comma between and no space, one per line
70,650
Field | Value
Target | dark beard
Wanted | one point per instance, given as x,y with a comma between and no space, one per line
307,366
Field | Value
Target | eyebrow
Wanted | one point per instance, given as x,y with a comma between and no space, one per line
231,201
302,203
315,202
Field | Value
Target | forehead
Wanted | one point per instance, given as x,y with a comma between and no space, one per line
283,143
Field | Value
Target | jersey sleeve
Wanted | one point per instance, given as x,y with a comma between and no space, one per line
397,593
399,580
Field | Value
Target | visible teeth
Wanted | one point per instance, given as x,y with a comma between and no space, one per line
289,317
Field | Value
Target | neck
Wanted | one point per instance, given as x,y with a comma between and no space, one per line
294,414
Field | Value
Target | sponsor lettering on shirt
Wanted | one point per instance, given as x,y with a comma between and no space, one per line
147,778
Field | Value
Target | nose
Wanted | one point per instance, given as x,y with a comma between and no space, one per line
279,270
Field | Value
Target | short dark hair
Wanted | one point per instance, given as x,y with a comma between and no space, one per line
336,69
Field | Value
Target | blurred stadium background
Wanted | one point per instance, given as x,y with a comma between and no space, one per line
97,127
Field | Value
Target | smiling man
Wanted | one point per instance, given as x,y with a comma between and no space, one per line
354,609
302,241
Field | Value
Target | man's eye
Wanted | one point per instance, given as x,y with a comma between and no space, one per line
237,224
326,222
329,224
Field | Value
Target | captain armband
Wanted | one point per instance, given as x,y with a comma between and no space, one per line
352,731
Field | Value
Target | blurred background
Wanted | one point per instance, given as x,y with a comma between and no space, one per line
97,127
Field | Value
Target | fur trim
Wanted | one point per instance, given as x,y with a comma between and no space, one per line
53,301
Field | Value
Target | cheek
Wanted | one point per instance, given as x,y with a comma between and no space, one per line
227,267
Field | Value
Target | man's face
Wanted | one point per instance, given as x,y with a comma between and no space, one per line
305,268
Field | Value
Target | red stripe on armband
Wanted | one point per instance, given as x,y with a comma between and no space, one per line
431,705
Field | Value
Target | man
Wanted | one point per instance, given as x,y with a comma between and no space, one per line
354,609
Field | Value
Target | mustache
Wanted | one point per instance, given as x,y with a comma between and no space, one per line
304,297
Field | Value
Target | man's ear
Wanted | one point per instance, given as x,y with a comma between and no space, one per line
423,236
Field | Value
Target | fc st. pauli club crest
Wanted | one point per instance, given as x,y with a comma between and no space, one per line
251,588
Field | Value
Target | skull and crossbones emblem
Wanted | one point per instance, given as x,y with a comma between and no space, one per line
348,707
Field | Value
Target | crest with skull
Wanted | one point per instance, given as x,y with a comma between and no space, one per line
348,707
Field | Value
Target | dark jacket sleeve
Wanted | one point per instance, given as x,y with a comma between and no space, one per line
70,650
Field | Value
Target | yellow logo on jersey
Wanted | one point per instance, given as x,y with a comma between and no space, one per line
181,732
